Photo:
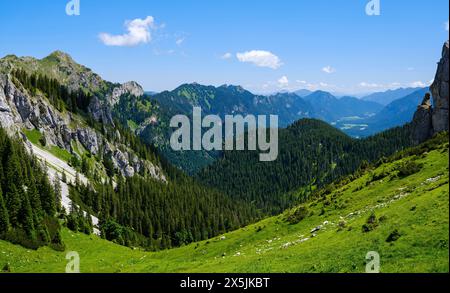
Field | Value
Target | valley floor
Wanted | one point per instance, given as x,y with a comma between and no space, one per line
411,234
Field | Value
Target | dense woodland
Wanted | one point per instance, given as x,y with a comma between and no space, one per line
159,215
311,155
58,95
28,201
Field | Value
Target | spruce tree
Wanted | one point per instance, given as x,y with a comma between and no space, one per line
13,205
4,220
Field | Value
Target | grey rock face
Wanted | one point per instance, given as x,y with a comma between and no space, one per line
440,91
6,116
88,139
120,160
130,87
429,120
129,171
100,111
422,122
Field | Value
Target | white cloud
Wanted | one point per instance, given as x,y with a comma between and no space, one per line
446,25
369,85
180,41
283,81
418,84
227,55
392,85
329,69
260,58
138,32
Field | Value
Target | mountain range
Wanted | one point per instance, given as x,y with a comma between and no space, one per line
387,97
148,114
106,147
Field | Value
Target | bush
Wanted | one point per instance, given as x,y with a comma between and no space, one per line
57,243
43,141
371,223
394,236
409,168
297,215
342,224
113,232
20,237
6,268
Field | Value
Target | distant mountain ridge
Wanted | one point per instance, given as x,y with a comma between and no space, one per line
148,114
329,108
396,113
389,96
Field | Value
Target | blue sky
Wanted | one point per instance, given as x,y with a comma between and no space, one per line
263,45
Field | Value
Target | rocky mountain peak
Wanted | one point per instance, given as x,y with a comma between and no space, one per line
131,88
440,92
60,55
429,120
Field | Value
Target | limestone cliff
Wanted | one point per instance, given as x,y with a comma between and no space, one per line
22,110
429,119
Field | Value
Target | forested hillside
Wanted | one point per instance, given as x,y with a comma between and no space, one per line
397,208
28,201
311,154
140,199
157,216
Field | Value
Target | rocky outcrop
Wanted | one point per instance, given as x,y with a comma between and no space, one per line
100,111
6,115
440,92
429,119
19,110
88,138
422,121
130,87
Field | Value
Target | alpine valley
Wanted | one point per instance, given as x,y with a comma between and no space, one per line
86,165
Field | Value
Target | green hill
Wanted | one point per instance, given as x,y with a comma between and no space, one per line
399,209
311,154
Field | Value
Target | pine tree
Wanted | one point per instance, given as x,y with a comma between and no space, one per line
57,188
13,205
4,220
47,196
26,217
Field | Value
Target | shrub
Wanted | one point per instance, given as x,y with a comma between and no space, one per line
342,224
43,141
297,215
6,268
394,236
371,223
409,168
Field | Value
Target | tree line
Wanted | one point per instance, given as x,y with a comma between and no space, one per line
312,154
59,96
156,215
28,200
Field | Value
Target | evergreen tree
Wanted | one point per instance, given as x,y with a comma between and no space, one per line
13,205
4,218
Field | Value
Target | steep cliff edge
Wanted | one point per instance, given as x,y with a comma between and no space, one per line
429,119
440,92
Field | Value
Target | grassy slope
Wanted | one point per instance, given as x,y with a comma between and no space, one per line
417,206
34,137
